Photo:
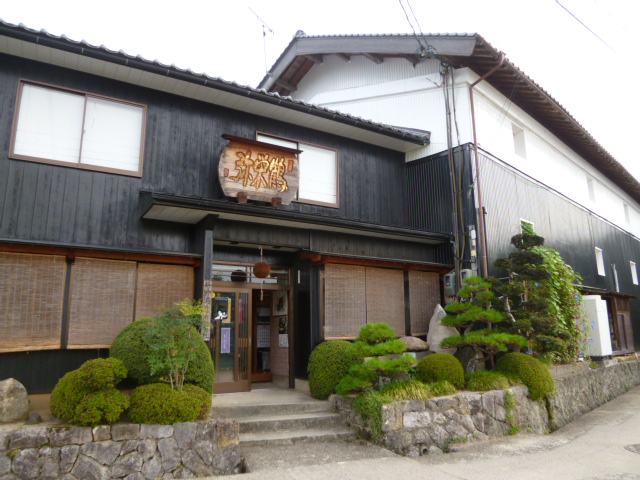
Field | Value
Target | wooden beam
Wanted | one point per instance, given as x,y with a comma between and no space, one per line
286,85
315,58
373,57
344,56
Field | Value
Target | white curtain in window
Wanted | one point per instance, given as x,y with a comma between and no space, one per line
318,176
49,124
112,134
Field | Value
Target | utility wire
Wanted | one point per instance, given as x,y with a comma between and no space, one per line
584,25
425,48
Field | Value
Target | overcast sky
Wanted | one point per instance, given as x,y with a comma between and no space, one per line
595,79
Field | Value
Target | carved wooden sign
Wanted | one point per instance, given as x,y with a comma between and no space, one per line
258,171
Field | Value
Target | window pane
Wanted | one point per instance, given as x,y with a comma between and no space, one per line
49,124
318,174
600,262
112,134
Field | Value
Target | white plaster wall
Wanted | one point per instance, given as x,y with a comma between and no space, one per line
396,93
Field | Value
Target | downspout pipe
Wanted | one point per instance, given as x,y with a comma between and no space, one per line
482,226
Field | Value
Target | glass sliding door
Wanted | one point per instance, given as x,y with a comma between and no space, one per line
231,339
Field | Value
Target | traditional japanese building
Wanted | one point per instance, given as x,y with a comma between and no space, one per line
512,152
127,185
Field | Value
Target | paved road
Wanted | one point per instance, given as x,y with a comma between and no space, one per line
598,446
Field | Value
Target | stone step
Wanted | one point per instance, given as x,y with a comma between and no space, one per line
241,411
290,437
299,421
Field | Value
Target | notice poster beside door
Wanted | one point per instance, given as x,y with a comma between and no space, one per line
225,340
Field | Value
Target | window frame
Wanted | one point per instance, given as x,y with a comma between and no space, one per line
634,272
299,199
78,165
529,222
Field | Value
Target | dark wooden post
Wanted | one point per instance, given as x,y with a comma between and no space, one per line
203,243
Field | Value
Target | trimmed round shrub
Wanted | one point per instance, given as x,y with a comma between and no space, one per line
374,333
87,396
441,366
328,364
486,380
528,370
158,403
131,347
442,388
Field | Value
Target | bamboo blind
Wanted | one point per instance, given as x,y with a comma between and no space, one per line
424,295
345,308
31,299
101,301
160,286
385,297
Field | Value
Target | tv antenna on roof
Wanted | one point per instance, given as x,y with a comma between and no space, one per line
265,28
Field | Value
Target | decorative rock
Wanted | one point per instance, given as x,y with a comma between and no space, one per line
88,469
68,457
129,446
416,420
34,418
30,437
4,440
205,450
14,401
59,437
433,450
194,463
125,431
127,465
169,453
101,433
438,332
147,448
5,464
103,452
25,464
185,434
49,462
414,344
135,476
156,431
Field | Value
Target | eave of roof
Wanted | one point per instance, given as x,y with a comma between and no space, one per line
102,53
461,50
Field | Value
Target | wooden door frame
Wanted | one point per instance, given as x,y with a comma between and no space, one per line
239,385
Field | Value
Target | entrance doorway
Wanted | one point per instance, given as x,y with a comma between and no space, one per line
250,333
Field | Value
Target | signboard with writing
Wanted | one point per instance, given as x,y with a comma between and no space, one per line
258,171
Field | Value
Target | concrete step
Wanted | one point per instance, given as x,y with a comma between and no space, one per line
250,410
290,437
299,421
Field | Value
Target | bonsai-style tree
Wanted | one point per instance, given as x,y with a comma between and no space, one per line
539,296
476,321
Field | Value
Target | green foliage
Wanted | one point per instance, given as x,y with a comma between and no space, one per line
172,349
442,388
390,347
87,396
328,364
475,319
406,390
133,347
369,406
509,413
441,366
485,380
366,376
158,403
374,333
528,370
190,310
540,298
103,406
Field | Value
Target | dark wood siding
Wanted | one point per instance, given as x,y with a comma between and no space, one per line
49,203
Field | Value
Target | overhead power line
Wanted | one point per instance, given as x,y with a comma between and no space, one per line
586,27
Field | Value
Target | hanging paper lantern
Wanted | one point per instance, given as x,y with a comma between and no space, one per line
238,276
262,269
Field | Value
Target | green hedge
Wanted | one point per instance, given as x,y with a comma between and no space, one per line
374,333
328,364
87,396
528,370
441,366
131,347
158,403
486,380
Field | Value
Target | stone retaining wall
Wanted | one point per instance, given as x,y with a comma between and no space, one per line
418,427
129,451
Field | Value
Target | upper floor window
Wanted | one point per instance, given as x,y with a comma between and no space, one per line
526,227
634,272
600,262
519,146
591,188
318,171
79,129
